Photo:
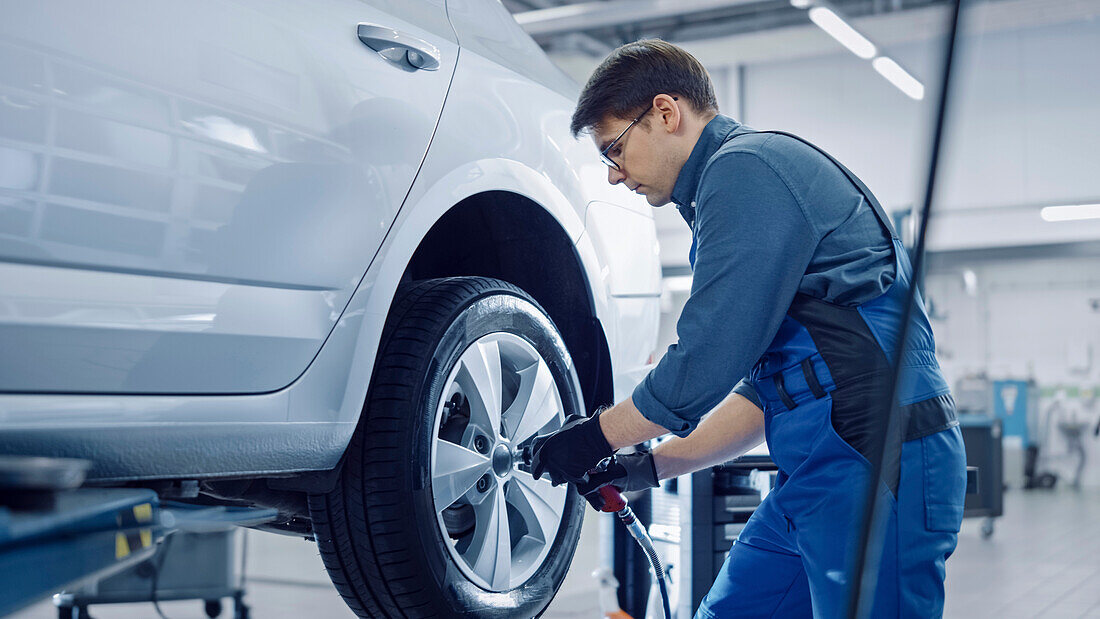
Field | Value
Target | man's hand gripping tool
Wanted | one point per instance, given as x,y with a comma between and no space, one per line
615,502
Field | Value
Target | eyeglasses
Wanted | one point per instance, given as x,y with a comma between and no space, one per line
605,155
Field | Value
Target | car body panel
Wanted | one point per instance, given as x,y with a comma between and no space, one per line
89,331
491,32
635,350
625,239
482,143
227,180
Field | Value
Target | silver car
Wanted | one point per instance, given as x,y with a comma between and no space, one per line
341,257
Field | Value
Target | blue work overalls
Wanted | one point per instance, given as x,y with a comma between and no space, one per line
822,384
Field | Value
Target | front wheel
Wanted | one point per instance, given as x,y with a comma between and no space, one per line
434,515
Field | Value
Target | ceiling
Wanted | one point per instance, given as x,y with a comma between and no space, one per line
595,27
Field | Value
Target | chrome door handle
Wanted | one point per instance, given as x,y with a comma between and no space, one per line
400,48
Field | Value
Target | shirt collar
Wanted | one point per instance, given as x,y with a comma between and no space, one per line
712,138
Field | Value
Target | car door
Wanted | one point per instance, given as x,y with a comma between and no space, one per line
191,191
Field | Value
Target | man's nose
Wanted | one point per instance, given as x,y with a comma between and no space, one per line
615,176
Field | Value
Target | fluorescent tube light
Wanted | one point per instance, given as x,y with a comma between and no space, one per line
801,4
898,77
839,29
1071,212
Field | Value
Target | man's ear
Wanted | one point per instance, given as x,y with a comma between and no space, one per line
669,114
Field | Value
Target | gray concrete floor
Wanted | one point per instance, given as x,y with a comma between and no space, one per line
1042,561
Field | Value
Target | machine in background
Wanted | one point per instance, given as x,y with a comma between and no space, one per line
186,566
694,521
982,438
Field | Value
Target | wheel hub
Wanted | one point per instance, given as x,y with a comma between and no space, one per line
502,461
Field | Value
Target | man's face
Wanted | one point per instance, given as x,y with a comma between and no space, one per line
646,155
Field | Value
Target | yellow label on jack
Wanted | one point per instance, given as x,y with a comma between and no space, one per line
143,512
122,547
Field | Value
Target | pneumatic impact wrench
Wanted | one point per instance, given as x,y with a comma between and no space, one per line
615,502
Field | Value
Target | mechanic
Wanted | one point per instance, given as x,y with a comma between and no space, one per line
797,290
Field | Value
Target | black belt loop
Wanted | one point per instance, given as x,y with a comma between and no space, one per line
811,378
787,401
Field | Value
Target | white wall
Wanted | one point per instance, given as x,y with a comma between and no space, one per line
839,103
1022,132
1023,319
1027,319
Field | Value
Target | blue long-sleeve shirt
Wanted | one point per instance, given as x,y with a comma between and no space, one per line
770,217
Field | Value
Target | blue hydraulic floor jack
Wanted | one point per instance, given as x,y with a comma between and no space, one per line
56,536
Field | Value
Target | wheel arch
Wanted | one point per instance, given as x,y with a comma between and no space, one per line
332,390
509,236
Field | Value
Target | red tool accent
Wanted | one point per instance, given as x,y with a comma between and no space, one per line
613,501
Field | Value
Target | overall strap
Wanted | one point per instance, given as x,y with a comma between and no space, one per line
880,213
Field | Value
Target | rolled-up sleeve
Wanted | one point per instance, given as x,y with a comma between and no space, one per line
745,389
753,244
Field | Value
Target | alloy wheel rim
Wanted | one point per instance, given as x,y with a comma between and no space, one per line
498,521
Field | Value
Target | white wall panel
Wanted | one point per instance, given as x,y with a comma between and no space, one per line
1059,115
1023,127
840,103
1027,319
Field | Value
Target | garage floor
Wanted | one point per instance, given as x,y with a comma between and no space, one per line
1042,561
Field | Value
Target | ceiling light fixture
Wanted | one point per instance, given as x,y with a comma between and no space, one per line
1070,212
899,77
839,29
833,24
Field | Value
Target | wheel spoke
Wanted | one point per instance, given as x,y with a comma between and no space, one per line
540,503
482,364
490,552
515,518
455,470
535,404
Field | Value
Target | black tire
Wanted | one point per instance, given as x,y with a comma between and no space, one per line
377,530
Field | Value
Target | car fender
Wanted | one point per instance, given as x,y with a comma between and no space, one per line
334,387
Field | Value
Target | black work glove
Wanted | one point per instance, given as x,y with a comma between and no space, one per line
569,453
627,472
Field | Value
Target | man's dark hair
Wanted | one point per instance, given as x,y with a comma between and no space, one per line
627,80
